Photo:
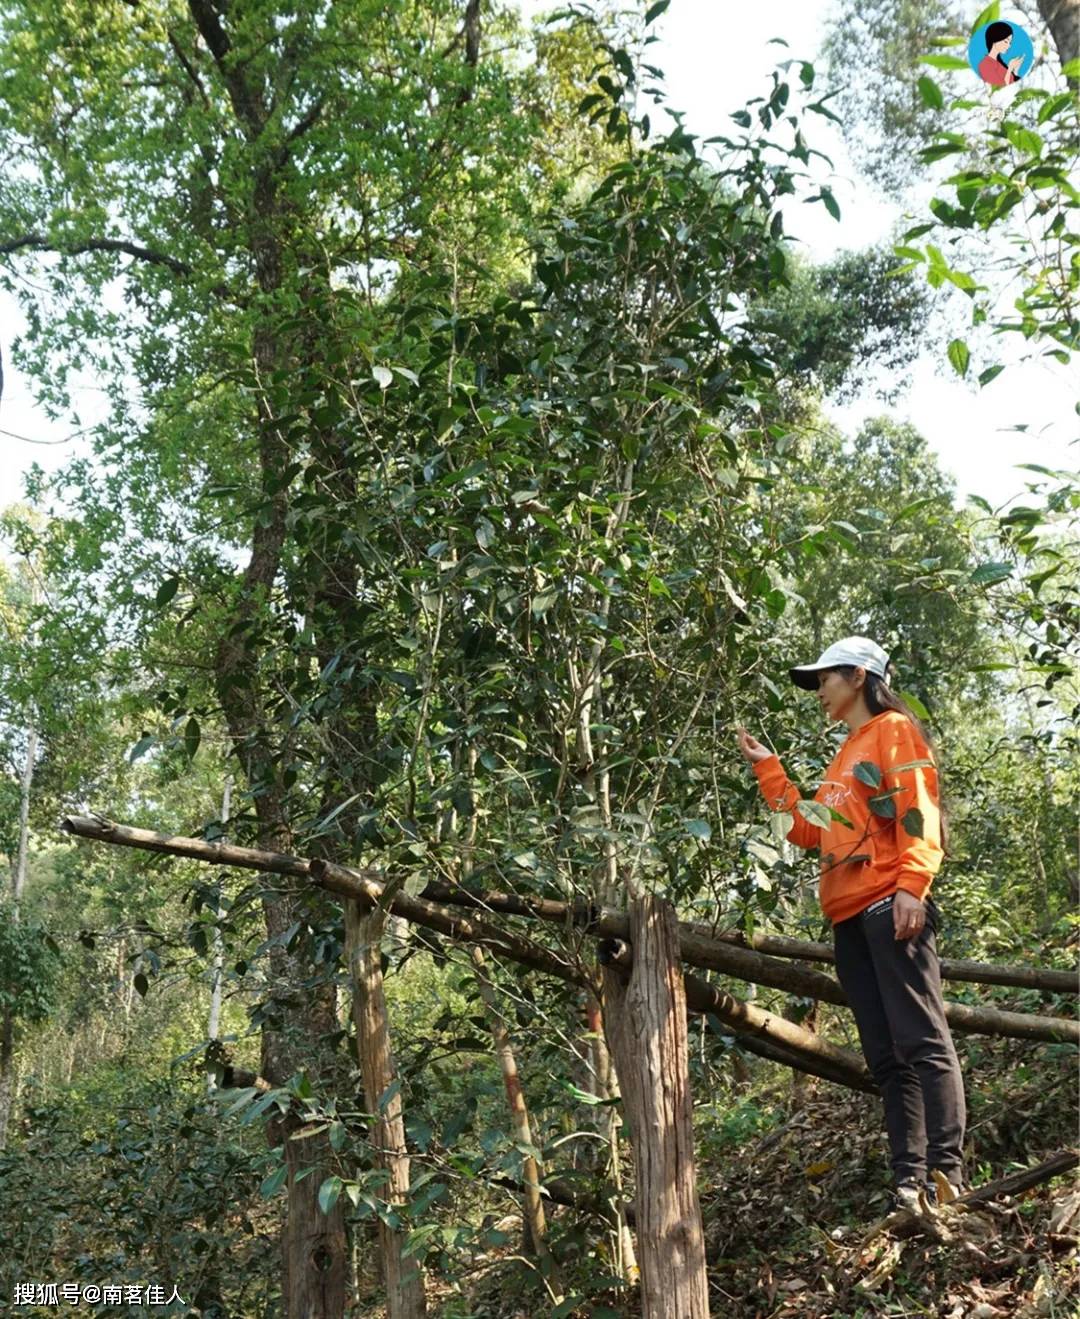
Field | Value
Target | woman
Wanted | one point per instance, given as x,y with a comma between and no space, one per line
992,66
879,854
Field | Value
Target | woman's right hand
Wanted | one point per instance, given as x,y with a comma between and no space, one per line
752,748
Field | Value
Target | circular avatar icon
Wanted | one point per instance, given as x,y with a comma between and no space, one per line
1000,53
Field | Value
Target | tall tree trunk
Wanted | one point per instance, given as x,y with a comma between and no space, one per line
645,1019
363,933
1062,17
313,1243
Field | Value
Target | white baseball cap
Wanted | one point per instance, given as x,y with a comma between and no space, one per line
858,651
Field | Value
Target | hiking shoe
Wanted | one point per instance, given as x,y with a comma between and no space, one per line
905,1195
958,1188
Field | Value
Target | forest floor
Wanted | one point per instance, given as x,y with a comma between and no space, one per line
792,1186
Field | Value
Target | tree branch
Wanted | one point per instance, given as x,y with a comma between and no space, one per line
189,68
247,105
698,940
302,125
40,243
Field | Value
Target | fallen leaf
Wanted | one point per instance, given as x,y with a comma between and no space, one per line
1064,1211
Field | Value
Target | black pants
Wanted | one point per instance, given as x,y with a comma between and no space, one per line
894,988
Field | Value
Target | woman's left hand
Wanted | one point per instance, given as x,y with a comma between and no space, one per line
909,914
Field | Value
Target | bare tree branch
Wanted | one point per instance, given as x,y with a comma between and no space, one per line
40,243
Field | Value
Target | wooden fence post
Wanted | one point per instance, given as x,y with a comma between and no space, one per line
645,1021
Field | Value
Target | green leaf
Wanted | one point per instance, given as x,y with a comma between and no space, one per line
654,11
567,1307
989,15
329,1192
914,704
988,574
814,812
141,984
274,1182
260,1106
389,1093
242,1099
698,829
781,824
944,62
1053,105
884,806
959,356
141,747
869,773
991,373
192,737
913,507
913,822
1024,139
930,93
831,204
166,591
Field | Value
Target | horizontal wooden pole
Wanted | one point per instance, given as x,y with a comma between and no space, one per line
473,926
697,937
748,964
764,1033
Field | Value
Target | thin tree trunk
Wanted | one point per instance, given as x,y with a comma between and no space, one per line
802,1086
588,694
8,1070
19,879
214,1021
313,1243
363,932
533,1205
123,980
645,1020
7,1074
604,1084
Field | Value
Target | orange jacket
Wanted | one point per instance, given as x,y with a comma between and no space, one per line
869,856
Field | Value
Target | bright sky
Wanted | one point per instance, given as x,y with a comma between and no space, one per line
716,57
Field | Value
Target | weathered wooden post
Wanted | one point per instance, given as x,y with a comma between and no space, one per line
645,1021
